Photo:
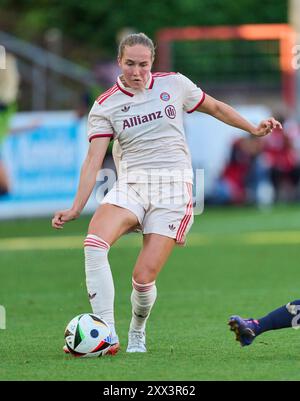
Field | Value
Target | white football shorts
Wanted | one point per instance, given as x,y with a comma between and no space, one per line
161,208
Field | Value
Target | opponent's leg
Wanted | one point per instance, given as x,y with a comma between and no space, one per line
247,330
107,225
154,254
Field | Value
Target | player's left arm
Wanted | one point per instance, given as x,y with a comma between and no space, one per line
230,116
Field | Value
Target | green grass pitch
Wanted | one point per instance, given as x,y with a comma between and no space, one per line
237,261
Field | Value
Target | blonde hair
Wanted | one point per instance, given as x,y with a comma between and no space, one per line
136,39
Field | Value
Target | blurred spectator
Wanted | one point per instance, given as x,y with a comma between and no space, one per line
262,170
282,160
243,173
9,83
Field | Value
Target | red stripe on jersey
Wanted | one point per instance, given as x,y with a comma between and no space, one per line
198,104
107,94
125,91
163,74
100,136
186,219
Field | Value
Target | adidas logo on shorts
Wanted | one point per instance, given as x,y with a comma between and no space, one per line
172,227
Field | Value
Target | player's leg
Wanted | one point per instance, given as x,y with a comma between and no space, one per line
154,254
110,222
107,225
246,330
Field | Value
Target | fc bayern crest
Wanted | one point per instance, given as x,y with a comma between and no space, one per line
170,112
165,96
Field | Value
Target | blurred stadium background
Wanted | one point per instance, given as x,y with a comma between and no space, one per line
59,69
59,57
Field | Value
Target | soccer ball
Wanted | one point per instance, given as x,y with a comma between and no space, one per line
87,335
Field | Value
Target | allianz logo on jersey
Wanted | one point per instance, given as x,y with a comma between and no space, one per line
138,120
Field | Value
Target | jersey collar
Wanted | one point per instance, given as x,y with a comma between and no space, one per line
131,92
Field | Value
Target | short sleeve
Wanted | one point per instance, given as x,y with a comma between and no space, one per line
193,96
98,124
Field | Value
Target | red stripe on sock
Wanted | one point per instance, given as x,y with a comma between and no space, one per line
142,287
93,241
94,246
96,242
99,240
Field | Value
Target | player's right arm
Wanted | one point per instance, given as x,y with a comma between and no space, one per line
89,170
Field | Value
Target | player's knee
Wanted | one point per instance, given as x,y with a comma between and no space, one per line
146,275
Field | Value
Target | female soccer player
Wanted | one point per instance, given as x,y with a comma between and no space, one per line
144,112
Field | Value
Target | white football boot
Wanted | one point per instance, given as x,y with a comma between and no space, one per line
136,341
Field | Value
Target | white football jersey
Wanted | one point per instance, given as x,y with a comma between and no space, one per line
148,125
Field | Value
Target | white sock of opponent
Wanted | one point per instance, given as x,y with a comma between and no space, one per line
99,280
143,297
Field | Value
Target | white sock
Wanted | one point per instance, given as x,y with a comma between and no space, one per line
143,297
99,280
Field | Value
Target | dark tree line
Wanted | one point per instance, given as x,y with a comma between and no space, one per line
94,24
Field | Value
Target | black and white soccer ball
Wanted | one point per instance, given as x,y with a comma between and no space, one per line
87,335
